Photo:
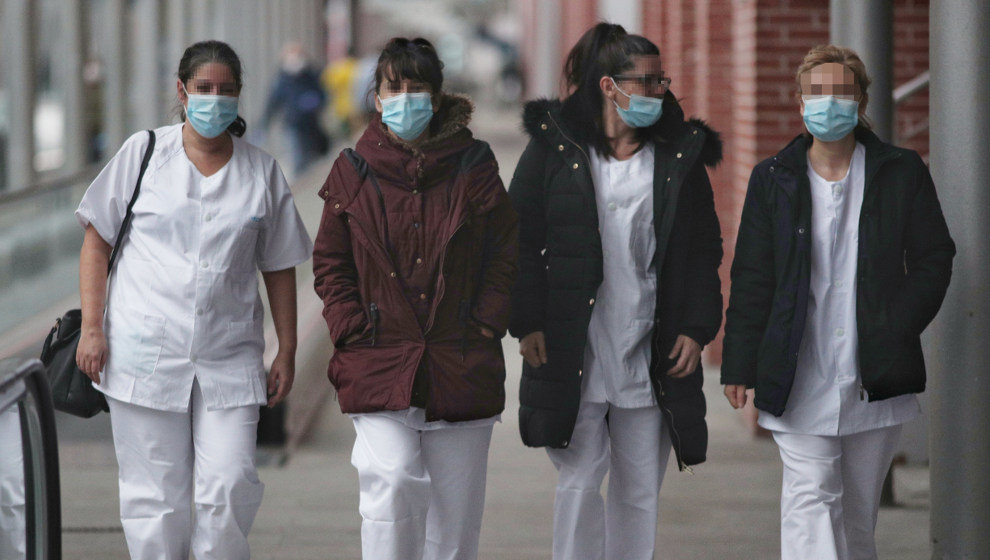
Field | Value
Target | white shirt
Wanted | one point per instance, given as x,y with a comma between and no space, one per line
183,298
827,398
617,356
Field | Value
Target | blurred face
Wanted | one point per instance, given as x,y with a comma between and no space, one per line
212,78
832,79
645,78
396,85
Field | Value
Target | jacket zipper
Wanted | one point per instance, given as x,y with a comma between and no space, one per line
443,259
676,440
586,158
373,309
462,313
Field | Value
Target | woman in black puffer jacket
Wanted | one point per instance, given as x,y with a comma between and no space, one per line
618,290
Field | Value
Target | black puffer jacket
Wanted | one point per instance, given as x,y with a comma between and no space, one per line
561,268
903,270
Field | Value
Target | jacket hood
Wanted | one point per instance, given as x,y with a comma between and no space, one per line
406,163
670,126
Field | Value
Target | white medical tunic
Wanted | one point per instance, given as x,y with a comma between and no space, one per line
617,355
183,299
826,398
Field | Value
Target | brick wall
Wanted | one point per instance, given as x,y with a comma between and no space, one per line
911,59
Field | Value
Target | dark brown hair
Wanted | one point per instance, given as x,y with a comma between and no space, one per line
414,59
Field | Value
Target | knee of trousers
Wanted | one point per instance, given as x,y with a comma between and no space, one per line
580,475
228,485
392,494
814,488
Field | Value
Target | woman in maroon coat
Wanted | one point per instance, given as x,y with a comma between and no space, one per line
414,260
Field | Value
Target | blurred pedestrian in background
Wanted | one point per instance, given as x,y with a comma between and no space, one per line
618,291
414,259
842,259
299,97
177,344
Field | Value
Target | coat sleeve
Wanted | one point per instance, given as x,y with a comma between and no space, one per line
335,275
928,253
529,297
752,290
703,308
500,255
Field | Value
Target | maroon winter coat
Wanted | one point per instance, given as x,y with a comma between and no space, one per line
419,284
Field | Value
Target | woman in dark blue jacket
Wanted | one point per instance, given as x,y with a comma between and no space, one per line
618,291
842,259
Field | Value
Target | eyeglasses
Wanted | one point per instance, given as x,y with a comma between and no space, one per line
652,82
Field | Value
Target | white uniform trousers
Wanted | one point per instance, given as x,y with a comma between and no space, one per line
170,460
422,491
629,444
830,495
13,520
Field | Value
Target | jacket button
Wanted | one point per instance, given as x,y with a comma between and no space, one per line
580,371
801,231
575,166
591,301
543,126
392,274
419,261
560,147
679,155
566,443
771,169
422,296
336,205
694,131
668,179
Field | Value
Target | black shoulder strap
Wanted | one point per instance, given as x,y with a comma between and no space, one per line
476,153
130,206
358,161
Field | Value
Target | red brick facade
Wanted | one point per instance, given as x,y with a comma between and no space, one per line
732,63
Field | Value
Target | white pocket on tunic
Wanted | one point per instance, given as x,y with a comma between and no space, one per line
138,347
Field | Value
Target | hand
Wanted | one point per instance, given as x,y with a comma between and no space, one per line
91,353
736,395
486,332
533,348
687,354
280,377
353,338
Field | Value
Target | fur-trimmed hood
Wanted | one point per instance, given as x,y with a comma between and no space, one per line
669,128
407,163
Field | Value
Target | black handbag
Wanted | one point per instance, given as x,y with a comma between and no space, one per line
72,390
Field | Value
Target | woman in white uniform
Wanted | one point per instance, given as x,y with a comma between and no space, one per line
618,293
176,341
842,260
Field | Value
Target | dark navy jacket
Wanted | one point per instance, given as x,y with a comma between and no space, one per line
903,270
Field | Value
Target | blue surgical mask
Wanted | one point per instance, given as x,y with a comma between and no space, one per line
643,111
407,114
830,118
210,115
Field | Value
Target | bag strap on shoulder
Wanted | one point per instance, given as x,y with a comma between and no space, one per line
130,205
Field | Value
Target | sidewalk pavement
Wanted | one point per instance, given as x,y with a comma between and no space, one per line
727,509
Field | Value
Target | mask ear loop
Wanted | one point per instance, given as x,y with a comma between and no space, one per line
618,88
